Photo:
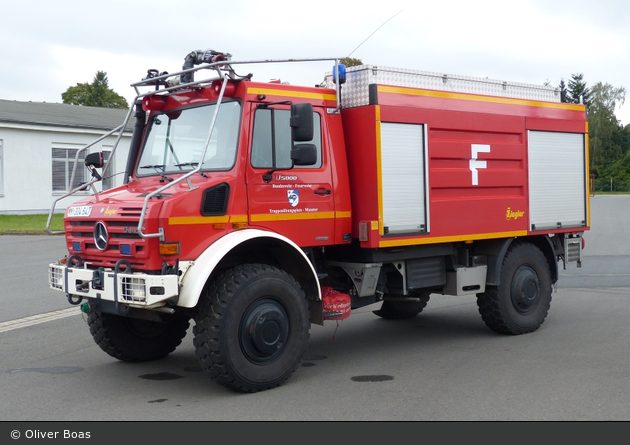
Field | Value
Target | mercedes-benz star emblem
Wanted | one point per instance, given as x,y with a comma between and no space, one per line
100,236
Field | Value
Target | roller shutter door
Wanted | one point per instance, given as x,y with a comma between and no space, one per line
557,180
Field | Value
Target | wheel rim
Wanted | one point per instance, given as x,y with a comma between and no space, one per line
525,290
264,331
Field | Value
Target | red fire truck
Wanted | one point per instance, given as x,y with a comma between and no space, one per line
255,209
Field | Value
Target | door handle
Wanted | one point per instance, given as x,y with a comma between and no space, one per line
322,192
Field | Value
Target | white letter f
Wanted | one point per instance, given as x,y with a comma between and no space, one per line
475,164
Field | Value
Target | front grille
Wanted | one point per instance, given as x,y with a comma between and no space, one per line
130,212
121,230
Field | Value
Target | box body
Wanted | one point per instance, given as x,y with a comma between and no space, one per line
437,165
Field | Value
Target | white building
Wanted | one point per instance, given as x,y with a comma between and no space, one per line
38,145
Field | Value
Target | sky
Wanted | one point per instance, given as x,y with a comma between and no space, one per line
48,46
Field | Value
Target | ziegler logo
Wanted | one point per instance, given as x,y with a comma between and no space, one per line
108,212
513,214
286,178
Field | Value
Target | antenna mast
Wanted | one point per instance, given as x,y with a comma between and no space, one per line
374,32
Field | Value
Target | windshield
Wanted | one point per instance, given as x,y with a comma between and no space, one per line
175,140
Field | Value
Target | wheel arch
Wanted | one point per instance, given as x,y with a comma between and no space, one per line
248,246
496,249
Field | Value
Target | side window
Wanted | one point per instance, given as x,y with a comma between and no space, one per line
271,146
62,163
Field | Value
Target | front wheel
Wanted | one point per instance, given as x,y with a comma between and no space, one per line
252,327
520,303
135,340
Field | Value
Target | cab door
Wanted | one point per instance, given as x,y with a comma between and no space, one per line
295,201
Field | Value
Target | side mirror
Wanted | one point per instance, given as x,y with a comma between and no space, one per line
94,160
304,154
301,122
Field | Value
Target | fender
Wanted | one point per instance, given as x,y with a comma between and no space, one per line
197,274
496,250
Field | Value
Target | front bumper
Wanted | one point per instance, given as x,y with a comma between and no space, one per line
134,289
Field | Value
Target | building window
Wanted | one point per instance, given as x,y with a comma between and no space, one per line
62,163
1,169
108,180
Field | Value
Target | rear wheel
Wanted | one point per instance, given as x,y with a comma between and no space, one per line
135,340
520,303
252,327
398,310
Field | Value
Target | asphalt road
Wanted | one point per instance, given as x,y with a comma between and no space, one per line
443,365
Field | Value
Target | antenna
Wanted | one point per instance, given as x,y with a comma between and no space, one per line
374,32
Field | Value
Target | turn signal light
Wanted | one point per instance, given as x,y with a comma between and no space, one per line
169,248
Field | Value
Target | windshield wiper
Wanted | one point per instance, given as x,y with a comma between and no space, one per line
156,167
191,164
153,166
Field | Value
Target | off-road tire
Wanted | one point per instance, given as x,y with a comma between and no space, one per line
135,340
251,327
400,310
520,303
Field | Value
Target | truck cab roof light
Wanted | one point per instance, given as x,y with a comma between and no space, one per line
230,88
152,103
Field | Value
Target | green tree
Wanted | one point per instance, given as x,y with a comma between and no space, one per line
95,94
563,91
603,124
577,91
608,139
350,61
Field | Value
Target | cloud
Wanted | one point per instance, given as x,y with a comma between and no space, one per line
65,42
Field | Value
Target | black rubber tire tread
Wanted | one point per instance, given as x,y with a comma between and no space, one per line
400,310
220,311
134,340
496,304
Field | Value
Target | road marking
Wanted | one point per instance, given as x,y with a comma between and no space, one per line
37,319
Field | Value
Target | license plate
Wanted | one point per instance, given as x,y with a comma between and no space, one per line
80,211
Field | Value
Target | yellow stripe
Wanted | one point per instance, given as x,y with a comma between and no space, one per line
300,94
379,170
292,216
448,239
479,98
182,220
